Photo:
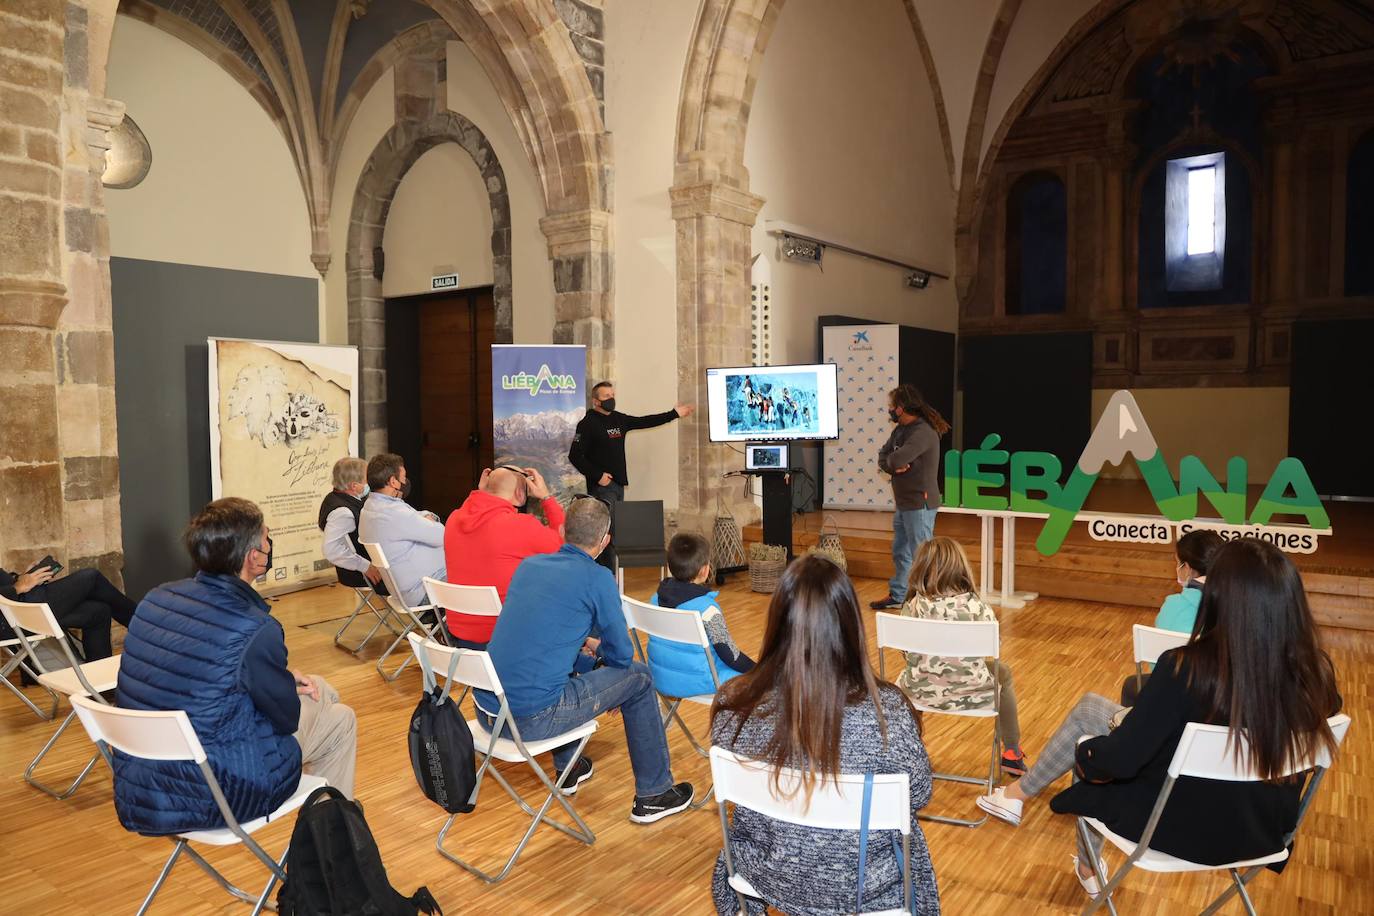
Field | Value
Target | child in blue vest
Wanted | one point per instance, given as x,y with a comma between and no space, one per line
680,670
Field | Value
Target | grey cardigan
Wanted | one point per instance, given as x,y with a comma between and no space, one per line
918,445
810,872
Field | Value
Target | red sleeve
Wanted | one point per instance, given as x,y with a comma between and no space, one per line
546,538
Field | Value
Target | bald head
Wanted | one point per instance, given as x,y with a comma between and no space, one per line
506,484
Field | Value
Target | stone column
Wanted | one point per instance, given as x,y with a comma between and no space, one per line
1115,160
32,293
583,304
714,222
1280,128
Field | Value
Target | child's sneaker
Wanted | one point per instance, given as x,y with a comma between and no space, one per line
1014,762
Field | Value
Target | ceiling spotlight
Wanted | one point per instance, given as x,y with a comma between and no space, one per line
917,279
795,249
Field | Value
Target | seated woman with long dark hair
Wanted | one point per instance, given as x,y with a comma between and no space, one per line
1254,663
811,703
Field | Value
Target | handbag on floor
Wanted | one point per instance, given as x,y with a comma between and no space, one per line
333,866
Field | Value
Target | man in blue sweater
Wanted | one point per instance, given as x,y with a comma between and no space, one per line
555,603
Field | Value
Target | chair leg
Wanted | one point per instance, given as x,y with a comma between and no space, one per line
673,716
17,663
1104,897
264,901
364,601
59,794
162,876
1238,882
989,783
220,879
581,832
399,641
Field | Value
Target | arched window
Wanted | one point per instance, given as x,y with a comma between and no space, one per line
1359,218
1037,245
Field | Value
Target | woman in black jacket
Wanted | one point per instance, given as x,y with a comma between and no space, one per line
1255,663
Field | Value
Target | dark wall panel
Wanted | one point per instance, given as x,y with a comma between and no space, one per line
1035,390
162,315
1329,395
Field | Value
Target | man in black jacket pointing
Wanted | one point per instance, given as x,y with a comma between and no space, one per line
598,448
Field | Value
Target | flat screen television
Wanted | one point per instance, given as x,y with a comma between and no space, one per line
759,403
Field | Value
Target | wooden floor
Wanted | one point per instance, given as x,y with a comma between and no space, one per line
72,857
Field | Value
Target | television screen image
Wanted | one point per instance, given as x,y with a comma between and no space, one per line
772,402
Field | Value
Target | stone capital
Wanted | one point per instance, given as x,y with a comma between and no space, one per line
31,303
102,117
714,198
577,232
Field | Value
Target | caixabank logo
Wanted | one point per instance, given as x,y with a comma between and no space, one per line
859,341
973,476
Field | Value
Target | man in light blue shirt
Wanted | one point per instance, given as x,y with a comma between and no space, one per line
413,541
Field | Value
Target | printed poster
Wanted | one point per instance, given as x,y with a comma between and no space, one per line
281,414
538,395
865,357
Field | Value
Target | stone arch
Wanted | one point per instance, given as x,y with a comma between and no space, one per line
393,156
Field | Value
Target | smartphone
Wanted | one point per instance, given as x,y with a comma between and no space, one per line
47,561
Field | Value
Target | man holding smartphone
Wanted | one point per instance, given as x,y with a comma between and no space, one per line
84,600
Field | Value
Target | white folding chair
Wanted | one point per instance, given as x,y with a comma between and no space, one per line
477,600
954,639
384,614
1207,752
14,656
474,671
1149,644
675,626
834,805
80,679
169,735
410,617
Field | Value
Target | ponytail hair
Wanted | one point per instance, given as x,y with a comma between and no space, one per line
909,398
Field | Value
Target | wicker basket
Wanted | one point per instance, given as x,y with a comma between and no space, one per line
830,545
766,563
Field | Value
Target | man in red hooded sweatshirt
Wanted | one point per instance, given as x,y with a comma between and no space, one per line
487,537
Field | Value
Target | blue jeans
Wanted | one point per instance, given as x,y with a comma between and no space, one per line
910,529
589,695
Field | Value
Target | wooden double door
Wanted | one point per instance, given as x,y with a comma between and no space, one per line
439,392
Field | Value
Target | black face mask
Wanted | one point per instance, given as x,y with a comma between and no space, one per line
405,489
608,404
269,556
892,414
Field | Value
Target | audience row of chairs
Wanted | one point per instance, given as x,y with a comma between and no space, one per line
1202,753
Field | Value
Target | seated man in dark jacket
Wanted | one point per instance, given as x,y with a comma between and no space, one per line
209,645
84,600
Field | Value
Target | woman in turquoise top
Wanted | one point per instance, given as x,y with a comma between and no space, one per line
1195,551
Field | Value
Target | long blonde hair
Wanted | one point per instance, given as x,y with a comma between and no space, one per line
940,569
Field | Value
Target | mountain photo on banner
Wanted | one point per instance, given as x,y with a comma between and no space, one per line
537,401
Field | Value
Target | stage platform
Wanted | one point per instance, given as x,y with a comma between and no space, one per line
1339,576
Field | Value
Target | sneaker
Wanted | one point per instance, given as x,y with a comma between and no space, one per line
1089,883
999,806
884,603
1014,762
581,772
651,808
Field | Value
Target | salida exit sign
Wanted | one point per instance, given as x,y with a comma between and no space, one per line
445,281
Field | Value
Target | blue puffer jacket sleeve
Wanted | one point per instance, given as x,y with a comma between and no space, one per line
269,682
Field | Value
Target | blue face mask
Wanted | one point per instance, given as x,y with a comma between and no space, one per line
366,490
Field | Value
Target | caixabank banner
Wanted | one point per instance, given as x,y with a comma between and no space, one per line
865,357
538,395
975,477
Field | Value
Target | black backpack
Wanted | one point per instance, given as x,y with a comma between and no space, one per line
441,750
333,867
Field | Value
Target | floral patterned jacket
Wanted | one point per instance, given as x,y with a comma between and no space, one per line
939,682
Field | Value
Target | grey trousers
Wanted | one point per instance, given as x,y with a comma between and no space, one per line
1092,716
328,736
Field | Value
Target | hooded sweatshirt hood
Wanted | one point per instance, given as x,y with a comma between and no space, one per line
479,508
674,593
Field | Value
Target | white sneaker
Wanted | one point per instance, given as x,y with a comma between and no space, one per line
999,806
1089,883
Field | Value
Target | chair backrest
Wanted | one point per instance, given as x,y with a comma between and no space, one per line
665,623
1203,752
638,524
834,805
957,638
35,618
150,734
394,592
480,600
474,668
1152,642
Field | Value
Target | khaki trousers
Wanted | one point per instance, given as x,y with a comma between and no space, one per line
328,736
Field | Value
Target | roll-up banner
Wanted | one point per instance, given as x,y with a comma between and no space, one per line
538,396
866,360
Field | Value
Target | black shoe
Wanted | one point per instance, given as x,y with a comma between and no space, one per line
581,772
884,603
656,807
